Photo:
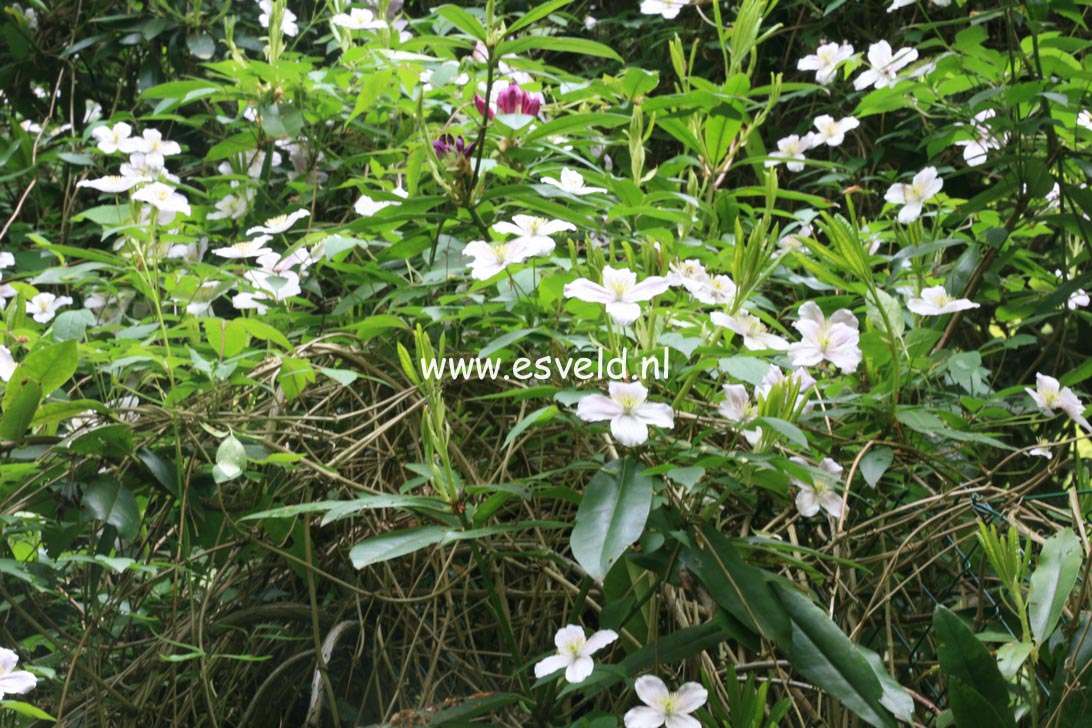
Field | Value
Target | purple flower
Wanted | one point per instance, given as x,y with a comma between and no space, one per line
511,100
448,144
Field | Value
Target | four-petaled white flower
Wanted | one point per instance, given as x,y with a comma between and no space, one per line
152,145
717,291
110,138
830,131
111,183
278,224
756,336
7,363
12,681
667,8
1078,299
925,186
620,292
366,206
246,249
492,259
572,182
974,150
821,492
836,339
268,287
1084,119
628,411
358,19
534,232
690,274
825,61
43,307
790,150
1050,395
233,206
885,65
935,301
164,198
288,18
798,379
664,708
739,409
794,242
574,652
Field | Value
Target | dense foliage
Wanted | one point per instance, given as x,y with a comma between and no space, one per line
557,364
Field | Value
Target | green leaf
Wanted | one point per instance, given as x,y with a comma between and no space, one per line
394,544
30,711
230,460
742,590
51,365
543,414
558,44
895,698
875,463
963,658
825,656
71,325
265,332
347,507
19,408
972,710
110,501
462,20
537,13
611,516
1053,580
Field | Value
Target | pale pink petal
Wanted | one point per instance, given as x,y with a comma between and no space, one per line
585,290
651,690
596,407
580,668
568,634
690,697
806,502
644,718
648,288
656,413
623,312
629,430
551,664
682,721
599,640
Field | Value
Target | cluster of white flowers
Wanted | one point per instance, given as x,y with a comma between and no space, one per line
661,706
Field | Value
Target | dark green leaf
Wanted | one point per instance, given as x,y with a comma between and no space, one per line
611,516
1053,580
110,501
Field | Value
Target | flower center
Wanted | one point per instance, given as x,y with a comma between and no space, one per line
500,252
628,403
573,647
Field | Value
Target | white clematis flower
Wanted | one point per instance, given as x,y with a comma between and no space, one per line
690,274
756,336
111,183
366,206
44,306
232,206
628,411
165,199
925,186
268,288
492,259
12,681
885,65
279,224
574,652
246,249
790,150
110,138
1050,395
831,132
288,18
572,182
669,9
935,301
825,61
821,492
836,339
358,19
664,708
739,409
152,145
534,232
620,292
974,150
717,291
